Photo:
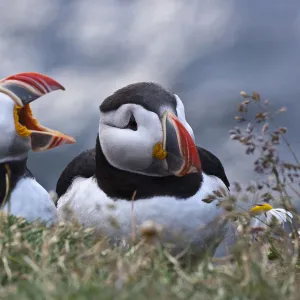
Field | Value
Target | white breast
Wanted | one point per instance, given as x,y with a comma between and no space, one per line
185,218
32,202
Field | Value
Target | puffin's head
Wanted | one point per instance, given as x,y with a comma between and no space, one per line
143,130
19,130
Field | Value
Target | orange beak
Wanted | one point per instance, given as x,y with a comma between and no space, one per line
182,154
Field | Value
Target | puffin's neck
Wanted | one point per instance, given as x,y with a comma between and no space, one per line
122,184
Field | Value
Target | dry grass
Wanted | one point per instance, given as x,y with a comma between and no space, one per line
70,262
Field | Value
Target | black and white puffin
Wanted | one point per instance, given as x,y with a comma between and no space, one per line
145,144
20,194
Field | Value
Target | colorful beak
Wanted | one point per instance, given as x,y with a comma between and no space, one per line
182,154
24,88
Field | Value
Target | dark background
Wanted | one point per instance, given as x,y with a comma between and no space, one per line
205,51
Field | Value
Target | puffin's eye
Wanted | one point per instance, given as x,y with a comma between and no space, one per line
132,124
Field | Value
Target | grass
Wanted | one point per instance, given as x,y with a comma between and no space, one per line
67,261
70,262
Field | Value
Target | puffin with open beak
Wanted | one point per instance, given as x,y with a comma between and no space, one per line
20,194
145,148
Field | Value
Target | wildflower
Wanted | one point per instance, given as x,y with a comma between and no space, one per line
264,214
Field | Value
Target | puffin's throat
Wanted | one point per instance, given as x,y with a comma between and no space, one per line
24,121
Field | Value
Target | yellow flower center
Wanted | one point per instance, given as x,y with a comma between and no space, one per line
159,152
260,208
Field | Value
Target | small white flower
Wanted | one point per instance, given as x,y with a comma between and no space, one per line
264,214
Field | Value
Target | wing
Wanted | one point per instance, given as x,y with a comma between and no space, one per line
83,165
211,165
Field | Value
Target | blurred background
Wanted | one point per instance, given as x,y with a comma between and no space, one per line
205,51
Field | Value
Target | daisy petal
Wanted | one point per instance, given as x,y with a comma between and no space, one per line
288,215
269,217
280,216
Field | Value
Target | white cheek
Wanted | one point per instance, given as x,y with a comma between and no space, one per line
12,146
7,125
181,116
131,150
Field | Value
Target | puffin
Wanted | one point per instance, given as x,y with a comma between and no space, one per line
145,167
20,194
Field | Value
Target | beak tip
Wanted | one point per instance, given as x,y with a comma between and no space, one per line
69,140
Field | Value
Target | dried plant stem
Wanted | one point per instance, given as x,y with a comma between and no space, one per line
6,267
7,199
133,236
285,140
245,260
177,268
291,149
8,186
294,190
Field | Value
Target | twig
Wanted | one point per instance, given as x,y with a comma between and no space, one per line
7,199
246,278
294,190
290,148
223,259
177,268
283,138
133,236
7,268
7,185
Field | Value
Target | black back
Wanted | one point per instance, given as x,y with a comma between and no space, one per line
122,184
18,170
211,165
83,165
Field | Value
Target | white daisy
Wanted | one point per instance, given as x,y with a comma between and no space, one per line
264,214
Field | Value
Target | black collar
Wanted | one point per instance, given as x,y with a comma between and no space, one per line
122,184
